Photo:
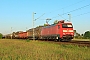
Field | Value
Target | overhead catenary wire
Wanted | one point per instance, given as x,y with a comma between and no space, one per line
77,9
64,8
73,4
69,12
61,16
67,6
39,17
81,14
73,10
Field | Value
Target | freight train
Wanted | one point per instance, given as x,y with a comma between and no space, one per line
61,31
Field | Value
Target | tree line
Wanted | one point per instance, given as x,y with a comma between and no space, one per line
86,35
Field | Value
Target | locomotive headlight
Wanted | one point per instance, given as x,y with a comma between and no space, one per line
70,30
64,30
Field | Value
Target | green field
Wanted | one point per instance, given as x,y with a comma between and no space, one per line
40,50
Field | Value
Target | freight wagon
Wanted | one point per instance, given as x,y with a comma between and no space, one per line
22,35
37,33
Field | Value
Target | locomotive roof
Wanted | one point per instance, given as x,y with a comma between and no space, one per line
56,24
49,26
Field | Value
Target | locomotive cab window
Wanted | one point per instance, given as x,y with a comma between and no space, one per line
58,26
67,26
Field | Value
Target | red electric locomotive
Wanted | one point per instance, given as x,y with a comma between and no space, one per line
62,31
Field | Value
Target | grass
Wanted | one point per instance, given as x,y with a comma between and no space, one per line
39,50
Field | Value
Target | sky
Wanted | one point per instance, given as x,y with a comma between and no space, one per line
17,15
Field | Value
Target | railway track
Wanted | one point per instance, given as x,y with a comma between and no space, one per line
73,42
81,43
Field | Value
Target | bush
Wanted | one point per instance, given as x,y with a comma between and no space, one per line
1,36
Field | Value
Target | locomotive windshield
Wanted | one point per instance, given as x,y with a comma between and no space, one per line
67,26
